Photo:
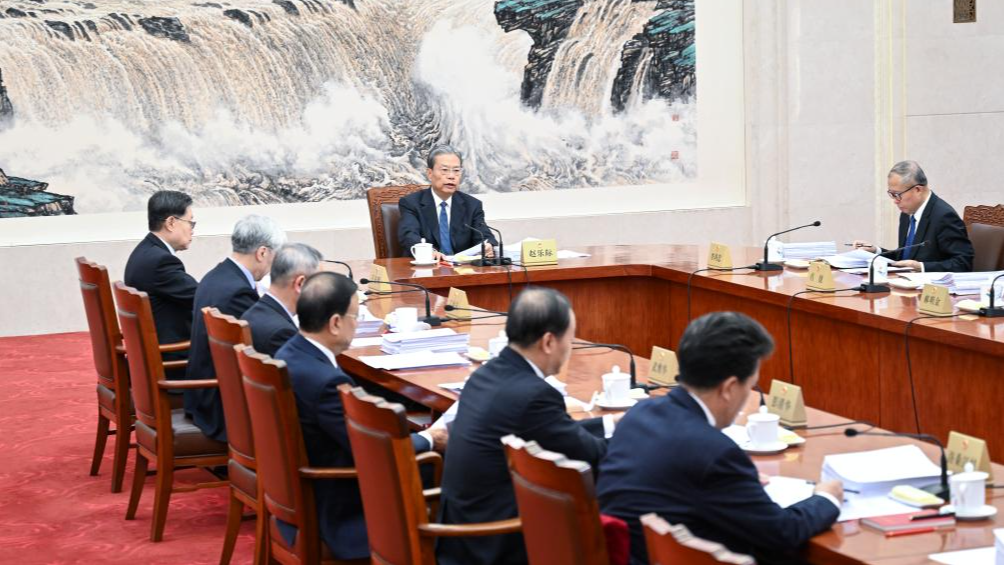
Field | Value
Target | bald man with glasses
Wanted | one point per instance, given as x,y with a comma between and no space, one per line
924,217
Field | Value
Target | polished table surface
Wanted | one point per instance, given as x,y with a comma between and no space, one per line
849,351
844,543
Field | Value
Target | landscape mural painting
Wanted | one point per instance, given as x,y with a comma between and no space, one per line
272,101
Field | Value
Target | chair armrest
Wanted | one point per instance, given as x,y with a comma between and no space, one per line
434,459
465,530
431,493
328,472
179,346
179,364
184,385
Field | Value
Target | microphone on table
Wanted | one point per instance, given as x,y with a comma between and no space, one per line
386,292
618,347
765,265
346,265
941,489
500,258
483,262
452,308
992,311
871,287
429,319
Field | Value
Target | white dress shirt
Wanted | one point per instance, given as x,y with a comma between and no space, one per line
608,419
917,223
439,201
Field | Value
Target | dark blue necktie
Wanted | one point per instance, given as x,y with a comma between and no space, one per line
910,241
445,247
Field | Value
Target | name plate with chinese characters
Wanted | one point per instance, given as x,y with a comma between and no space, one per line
786,400
458,299
540,252
820,276
663,368
963,449
934,299
719,257
378,279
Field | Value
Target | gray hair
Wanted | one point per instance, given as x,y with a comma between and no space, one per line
293,260
442,150
910,173
254,231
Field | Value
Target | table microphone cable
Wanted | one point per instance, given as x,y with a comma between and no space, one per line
717,269
788,321
907,353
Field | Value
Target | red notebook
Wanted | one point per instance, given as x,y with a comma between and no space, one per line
897,522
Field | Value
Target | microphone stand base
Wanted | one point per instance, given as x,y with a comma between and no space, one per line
432,320
869,288
995,312
938,491
491,262
765,266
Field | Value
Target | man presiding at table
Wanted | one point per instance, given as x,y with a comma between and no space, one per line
441,215
924,217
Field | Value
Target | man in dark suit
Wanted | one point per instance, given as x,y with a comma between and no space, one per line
154,268
440,215
508,395
327,309
669,456
273,318
230,287
924,217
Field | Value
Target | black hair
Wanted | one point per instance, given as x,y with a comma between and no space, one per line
535,312
323,295
720,345
164,204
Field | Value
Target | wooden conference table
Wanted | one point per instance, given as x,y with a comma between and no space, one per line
846,543
848,349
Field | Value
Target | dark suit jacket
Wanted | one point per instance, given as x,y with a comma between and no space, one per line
226,288
502,397
315,383
666,458
947,249
271,326
154,270
420,219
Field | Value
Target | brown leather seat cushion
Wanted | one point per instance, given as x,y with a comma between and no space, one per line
106,397
988,246
242,478
189,441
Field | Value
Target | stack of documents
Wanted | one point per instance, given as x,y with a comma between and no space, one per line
958,283
443,340
855,259
367,323
413,360
809,250
880,470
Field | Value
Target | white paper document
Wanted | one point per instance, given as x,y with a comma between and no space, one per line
566,254
852,259
979,556
366,341
413,360
877,471
786,491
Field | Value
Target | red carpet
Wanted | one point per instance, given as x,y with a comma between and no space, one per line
51,510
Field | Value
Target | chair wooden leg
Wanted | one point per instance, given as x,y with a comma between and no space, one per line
139,477
99,444
234,512
122,434
162,497
261,535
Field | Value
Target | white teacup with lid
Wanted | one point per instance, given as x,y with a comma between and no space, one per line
617,387
423,252
966,491
762,427
497,344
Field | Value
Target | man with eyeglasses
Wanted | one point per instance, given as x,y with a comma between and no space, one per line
924,217
440,214
154,268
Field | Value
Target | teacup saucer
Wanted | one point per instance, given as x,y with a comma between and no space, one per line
983,513
797,264
604,404
418,327
770,449
424,263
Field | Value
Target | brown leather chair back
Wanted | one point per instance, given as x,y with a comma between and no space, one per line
384,216
986,232
388,478
279,446
96,290
670,545
143,355
224,332
558,505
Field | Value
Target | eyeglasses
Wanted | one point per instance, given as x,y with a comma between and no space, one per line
445,171
189,222
898,195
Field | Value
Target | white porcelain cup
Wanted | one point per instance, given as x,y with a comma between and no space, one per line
966,491
497,344
762,428
423,252
617,386
405,318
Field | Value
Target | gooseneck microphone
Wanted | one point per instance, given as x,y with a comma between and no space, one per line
992,311
940,490
500,258
871,287
765,265
483,262
618,347
429,319
452,308
346,265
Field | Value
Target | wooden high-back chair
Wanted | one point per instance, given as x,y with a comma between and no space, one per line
224,332
985,229
670,545
384,217
165,436
558,505
284,474
394,503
